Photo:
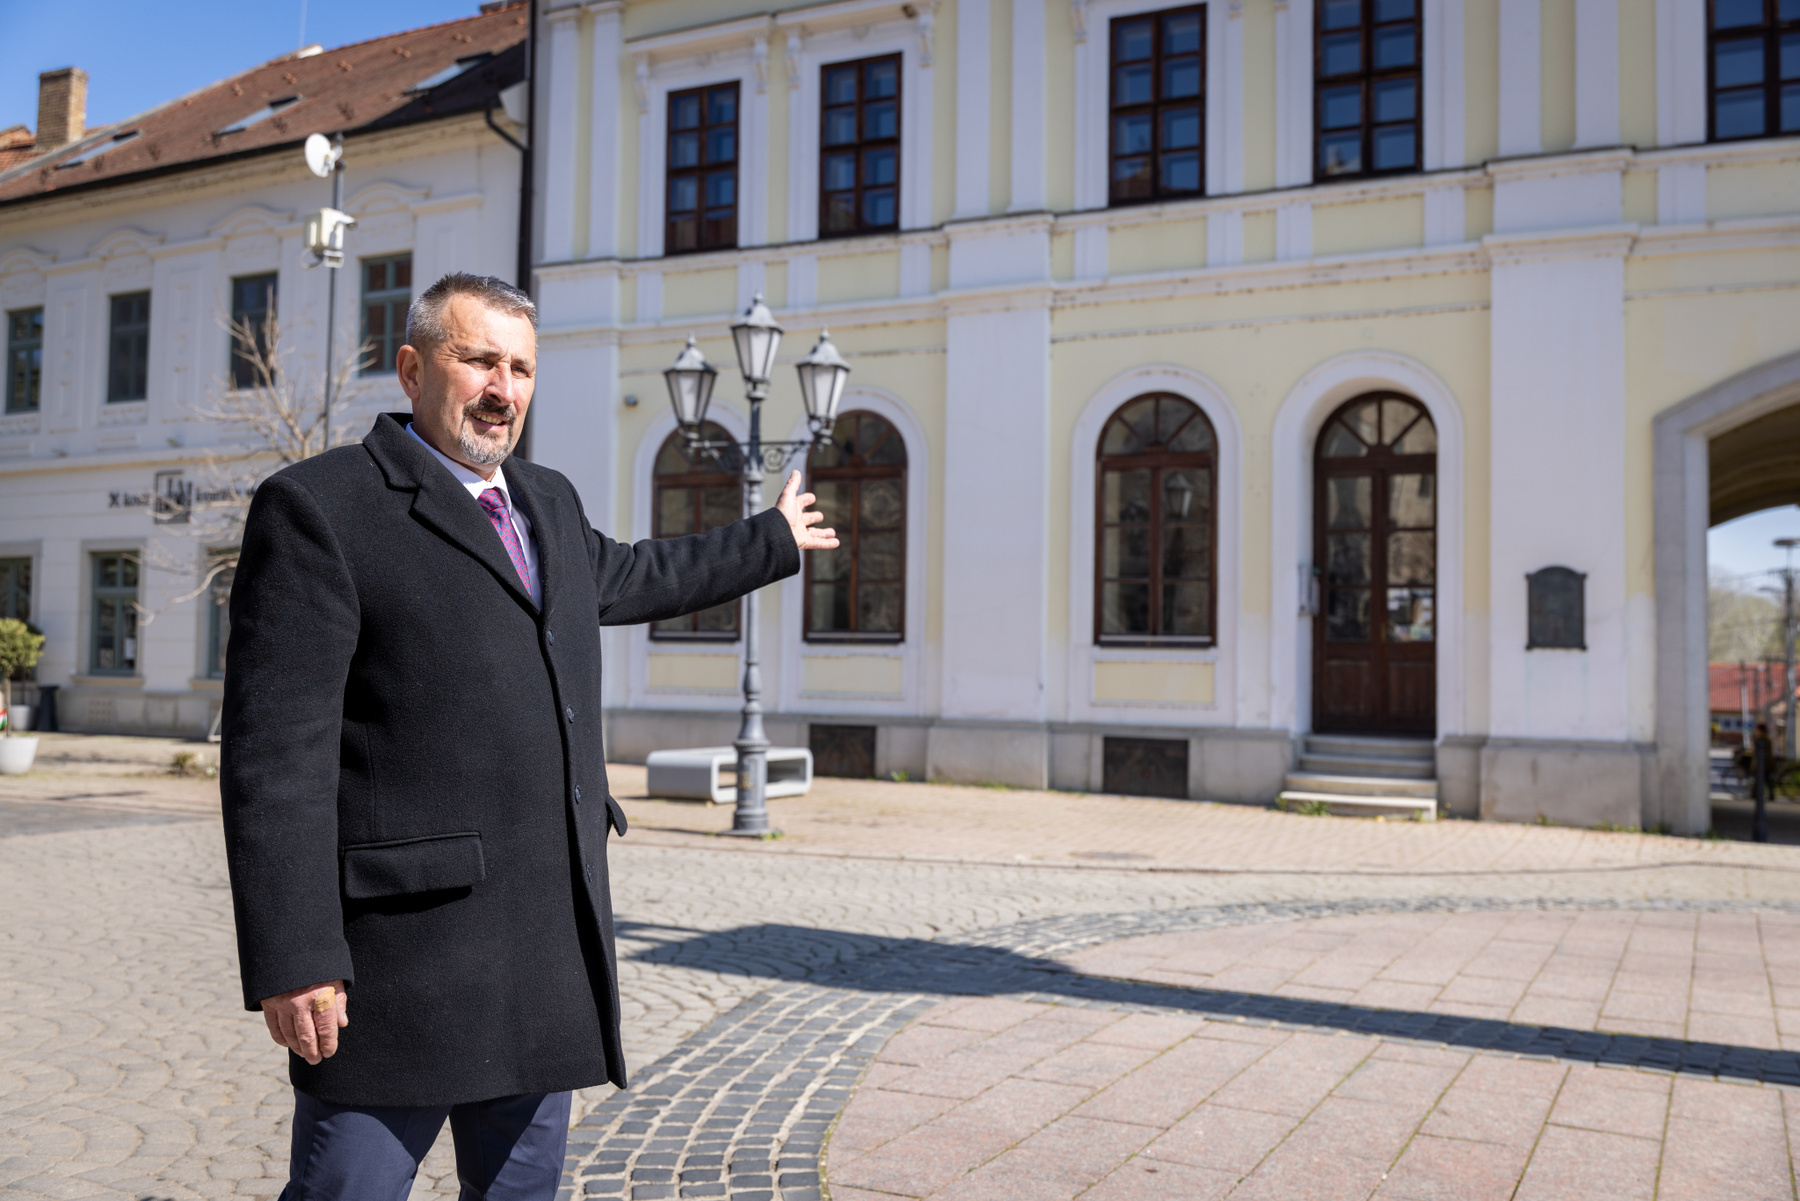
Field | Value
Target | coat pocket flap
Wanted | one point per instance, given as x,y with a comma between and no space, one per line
386,869
616,816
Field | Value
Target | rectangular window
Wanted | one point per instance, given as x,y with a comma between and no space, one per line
1366,93
115,650
702,169
1158,106
1753,68
24,359
386,296
15,589
218,622
128,353
252,329
859,147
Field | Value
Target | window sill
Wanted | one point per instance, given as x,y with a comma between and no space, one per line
207,684
107,681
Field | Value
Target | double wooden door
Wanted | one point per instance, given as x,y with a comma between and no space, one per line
1375,551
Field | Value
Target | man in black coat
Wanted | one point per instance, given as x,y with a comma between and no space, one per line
415,796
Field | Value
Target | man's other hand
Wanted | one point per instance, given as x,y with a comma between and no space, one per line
794,506
306,1020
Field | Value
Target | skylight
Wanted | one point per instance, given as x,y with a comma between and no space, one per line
450,72
262,114
99,148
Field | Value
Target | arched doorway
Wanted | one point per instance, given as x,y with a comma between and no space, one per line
1375,547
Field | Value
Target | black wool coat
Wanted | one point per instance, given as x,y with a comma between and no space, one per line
414,787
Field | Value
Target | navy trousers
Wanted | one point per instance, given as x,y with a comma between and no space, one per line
507,1149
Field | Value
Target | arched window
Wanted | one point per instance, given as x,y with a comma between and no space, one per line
857,593
1155,549
696,493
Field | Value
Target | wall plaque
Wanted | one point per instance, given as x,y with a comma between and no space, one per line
1556,610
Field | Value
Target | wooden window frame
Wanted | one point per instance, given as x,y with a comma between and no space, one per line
15,587
395,302
855,474
1157,107
861,145
32,373
1771,31
1157,462
701,475
1367,77
240,368
127,351
123,599
701,170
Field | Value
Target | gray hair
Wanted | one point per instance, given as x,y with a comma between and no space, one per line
425,319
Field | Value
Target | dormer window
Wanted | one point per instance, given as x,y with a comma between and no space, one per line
99,148
260,115
450,72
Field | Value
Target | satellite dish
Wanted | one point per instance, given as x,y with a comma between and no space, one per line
321,155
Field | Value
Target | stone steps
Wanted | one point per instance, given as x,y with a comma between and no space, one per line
1355,776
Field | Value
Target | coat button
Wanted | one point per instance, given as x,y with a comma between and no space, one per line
550,637
569,712
578,794
587,869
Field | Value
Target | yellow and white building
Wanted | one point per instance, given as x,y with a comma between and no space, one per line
1565,232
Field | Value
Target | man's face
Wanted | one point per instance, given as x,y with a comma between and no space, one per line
470,391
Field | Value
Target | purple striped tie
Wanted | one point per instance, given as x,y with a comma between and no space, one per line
495,504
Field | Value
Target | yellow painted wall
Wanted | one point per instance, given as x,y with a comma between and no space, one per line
1000,102
1259,95
709,673
1155,246
1753,189
864,675
1368,225
700,293
1153,682
1637,72
1557,81
859,276
1481,79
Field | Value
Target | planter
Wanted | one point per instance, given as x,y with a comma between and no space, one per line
18,718
16,755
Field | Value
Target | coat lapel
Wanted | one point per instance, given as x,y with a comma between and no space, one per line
442,503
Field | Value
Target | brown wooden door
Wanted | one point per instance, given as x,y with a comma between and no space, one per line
1375,549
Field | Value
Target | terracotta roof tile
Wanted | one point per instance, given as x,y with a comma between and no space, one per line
360,87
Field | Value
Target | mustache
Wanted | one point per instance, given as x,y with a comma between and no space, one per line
490,411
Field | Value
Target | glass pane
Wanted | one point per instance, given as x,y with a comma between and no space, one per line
1340,53
1396,47
830,607
1409,614
1411,505
670,460
1340,153
881,120
684,194
1186,611
840,172
1181,78
1739,62
721,189
878,609
1180,130
1788,10
1738,114
1395,148
1131,179
1396,99
1348,558
1125,608
1186,553
1340,14
1181,34
128,578
831,564
878,557
1362,421
673,625
684,112
884,447
721,106
1394,10
1729,14
1347,615
1790,56
1194,437
881,504
721,145
881,166
1125,553
840,85
1126,496
1131,40
720,506
720,619
1181,172
1421,439
684,233
1340,443
840,213
881,208
1131,135
1412,558
1340,107
377,278
1131,85
403,272
884,80
674,512
1790,109
1186,495
1396,415
840,126
1349,502
834,503
684,150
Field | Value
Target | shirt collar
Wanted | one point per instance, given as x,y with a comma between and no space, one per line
464,476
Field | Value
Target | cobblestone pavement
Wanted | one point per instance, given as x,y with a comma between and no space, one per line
129,1069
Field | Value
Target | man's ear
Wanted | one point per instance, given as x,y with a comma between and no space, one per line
409,365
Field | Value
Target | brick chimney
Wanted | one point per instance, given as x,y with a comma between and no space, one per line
62,107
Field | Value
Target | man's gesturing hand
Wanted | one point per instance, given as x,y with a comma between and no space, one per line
793,505
306,1020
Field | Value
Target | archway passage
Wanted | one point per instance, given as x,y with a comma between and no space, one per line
1755,466
1375,544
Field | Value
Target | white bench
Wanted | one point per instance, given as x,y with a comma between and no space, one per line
709,773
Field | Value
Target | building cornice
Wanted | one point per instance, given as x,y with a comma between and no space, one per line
1606,241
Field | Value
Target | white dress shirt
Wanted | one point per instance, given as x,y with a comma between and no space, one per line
476,486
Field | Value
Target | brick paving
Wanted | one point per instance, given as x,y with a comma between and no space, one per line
128,1068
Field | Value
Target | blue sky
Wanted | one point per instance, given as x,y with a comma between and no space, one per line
138,55
1746,546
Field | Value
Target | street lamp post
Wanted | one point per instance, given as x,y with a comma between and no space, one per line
325,239
756,338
